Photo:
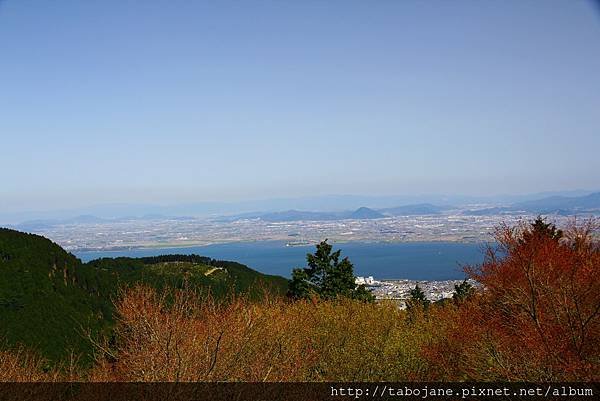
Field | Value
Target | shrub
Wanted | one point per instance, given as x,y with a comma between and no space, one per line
179,337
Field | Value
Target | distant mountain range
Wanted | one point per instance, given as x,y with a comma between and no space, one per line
563,205
362,213
298,215
555,204
415,210
317,208
334,203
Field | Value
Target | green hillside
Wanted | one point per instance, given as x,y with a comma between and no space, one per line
50,301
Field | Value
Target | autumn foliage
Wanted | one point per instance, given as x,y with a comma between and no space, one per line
178,337
534,317
21,365
538,315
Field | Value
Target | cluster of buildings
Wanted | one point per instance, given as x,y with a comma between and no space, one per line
399,290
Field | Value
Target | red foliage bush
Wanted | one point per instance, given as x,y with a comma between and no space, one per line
538,315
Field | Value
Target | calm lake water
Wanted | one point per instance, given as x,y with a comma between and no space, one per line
413,260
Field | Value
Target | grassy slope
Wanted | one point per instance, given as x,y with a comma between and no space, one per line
49,300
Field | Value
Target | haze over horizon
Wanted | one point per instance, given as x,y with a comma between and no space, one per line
255,207
174,102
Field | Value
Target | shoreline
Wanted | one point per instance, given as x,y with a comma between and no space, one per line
423,260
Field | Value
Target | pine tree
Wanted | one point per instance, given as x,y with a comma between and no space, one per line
539,228
327,276
462,291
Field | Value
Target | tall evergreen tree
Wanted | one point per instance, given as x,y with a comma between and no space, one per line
539,228
327,276
462,291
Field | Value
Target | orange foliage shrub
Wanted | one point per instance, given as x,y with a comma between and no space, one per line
188,339
179,337
19,365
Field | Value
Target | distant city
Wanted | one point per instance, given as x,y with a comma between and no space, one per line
163,233
399,290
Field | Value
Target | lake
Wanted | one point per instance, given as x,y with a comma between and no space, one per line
409,260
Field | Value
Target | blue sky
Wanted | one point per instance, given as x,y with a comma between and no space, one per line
178,101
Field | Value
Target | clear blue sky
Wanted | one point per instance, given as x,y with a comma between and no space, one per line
177,101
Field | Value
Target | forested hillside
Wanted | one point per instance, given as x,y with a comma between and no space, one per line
52,303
